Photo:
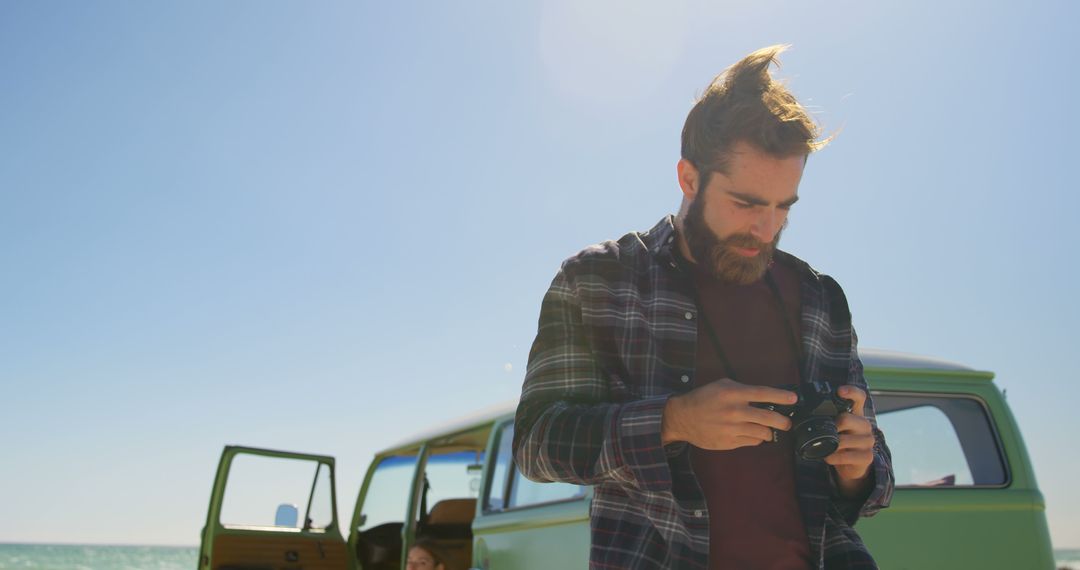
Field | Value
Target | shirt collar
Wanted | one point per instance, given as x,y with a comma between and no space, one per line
661,240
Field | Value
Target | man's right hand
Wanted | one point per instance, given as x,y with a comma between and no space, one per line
718,415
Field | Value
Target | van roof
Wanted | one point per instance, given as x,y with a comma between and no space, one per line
871,358
877,358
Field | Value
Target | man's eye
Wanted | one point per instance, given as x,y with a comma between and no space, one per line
744,205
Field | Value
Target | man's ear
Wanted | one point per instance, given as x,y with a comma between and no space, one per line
688,179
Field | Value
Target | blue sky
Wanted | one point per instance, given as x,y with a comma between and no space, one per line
323,226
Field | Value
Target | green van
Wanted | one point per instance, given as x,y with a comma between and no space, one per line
966,494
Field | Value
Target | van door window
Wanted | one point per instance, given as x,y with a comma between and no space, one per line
940,441
321,514
274,493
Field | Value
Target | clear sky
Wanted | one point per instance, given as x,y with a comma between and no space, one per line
321,226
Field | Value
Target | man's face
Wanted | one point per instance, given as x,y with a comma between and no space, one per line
733,224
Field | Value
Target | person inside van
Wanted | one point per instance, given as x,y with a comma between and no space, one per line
425,555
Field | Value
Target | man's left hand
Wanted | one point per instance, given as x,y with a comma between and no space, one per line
853,457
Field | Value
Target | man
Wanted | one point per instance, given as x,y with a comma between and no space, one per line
657,356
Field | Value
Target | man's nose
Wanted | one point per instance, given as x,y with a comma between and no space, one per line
767,224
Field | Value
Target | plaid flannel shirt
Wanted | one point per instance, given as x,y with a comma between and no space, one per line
617,335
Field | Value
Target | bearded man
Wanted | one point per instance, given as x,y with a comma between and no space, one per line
663,361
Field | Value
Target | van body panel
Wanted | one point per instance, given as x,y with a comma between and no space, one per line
931,529
534,538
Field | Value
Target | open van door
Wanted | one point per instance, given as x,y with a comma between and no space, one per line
271,510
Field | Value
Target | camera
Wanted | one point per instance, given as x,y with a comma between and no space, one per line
813,418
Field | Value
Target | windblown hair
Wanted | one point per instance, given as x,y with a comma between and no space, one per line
745,103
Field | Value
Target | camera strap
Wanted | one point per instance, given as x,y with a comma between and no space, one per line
778,304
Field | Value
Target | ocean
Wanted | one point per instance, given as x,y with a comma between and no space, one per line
80,557
96,557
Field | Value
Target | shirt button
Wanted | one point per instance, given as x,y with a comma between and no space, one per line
698,513
685,378
672,264
689,315
670,239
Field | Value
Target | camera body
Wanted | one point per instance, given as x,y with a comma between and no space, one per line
813,418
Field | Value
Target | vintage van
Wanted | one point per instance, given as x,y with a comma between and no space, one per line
966,494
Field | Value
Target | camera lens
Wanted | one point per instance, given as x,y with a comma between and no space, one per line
816,437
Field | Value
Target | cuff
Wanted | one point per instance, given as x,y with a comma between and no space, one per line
640,448
879,496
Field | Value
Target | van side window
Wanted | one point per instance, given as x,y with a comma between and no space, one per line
520,492
940,441
524,492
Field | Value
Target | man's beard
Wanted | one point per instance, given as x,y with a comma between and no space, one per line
717,256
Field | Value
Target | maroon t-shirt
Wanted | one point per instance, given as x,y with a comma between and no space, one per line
754,517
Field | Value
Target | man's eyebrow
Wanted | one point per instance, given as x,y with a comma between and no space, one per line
751,199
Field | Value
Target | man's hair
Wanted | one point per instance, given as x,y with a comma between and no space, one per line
744,103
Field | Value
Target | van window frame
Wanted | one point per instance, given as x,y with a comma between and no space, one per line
493,459
988,416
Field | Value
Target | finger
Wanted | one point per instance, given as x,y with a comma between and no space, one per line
856,395
850,457
764,418
766,394
755,431
857,442
851,423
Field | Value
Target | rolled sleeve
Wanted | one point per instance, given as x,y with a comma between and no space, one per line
566,427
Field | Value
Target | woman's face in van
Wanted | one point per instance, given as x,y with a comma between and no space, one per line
419,559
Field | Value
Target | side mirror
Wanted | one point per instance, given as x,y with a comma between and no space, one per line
286,516
474,472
